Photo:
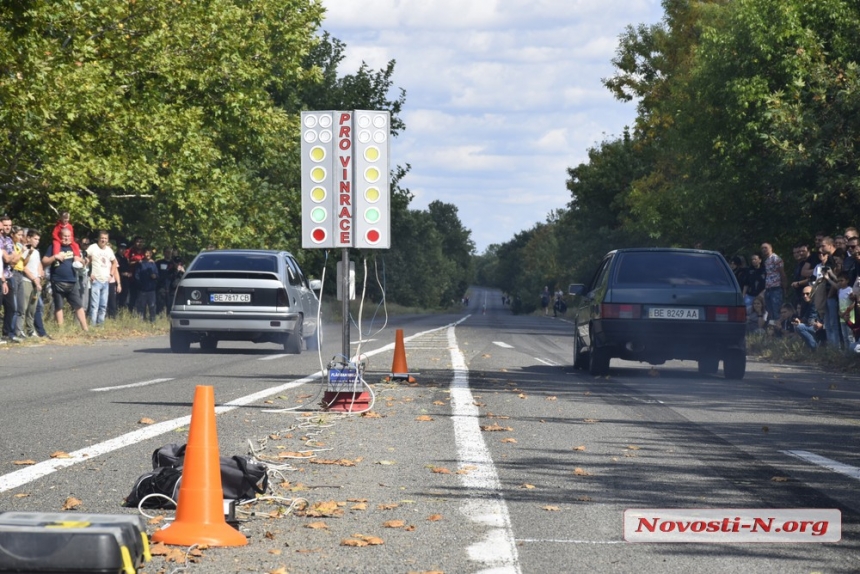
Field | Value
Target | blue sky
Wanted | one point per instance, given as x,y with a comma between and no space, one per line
502,96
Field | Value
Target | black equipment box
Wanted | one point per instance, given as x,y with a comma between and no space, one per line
70,542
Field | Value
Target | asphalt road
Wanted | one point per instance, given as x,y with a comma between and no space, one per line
545,492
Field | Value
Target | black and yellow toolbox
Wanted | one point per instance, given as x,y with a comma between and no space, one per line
72,542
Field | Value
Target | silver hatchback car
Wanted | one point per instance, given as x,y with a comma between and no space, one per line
253,295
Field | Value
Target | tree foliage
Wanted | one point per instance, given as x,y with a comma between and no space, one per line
746,131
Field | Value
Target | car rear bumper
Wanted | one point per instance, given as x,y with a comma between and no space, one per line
231,321
660,340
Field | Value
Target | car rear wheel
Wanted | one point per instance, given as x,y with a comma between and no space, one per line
580,354
179,342
709,366
598,361
208,343
735,364
293,341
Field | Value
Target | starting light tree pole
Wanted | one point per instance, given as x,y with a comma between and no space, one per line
346,193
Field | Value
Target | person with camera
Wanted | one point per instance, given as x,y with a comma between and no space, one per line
807,324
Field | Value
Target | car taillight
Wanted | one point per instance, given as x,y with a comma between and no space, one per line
726,314
283,299
620,311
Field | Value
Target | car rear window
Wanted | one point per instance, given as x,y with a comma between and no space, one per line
262,263
668,268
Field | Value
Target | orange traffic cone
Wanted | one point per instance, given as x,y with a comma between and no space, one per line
399,370
200,509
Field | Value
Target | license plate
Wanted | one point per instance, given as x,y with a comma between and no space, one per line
229,297
672,313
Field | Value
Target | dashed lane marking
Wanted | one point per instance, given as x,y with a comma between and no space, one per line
503,345
132,385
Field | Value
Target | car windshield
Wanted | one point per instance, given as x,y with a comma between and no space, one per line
235,262
672,268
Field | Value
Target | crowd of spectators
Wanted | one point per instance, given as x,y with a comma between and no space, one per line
95,279
817,301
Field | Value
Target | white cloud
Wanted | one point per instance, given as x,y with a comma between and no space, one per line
502,96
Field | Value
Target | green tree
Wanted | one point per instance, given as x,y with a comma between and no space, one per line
153,117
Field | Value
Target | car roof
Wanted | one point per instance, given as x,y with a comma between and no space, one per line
247,251
663,249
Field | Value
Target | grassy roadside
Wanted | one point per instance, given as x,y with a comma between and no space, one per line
127,325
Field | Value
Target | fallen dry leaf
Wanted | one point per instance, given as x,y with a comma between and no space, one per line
486,356
60,454
387,506
440,470
780,479
22,495
356,500
583,498
495,428
308,550
423,418
23,462
269,535
439,403
318,525
591,420
175,555
580,472
551,508
394,524
632,447
580,447
322,509
359,506
156,519
522,396
434,517
372,415
551,398
509,439
72,503
159,549
527,486
146,421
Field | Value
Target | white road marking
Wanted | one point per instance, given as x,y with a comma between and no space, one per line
484,504
829,464
549,363
503,345
272,357
544,541
142,384
44,468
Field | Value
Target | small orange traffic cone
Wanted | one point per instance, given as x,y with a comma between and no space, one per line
399,370
200,509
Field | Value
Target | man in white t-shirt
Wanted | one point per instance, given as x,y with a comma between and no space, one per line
103,262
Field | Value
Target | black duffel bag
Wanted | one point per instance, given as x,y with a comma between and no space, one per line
242,478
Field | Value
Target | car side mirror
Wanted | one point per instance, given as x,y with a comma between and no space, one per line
576,289
316,285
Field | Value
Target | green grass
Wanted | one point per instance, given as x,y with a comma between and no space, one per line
127,325
792,350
